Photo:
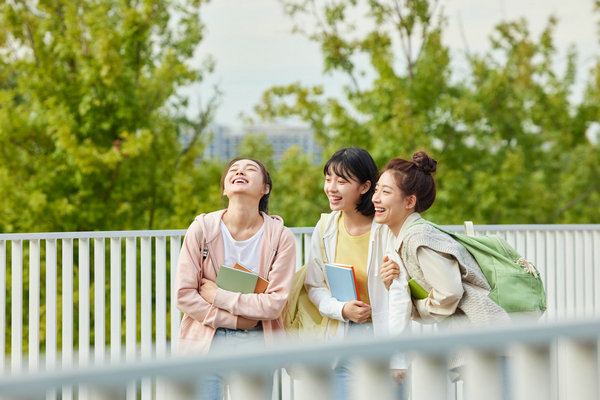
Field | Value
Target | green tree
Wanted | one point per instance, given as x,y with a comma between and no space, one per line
91,123
255,145
297,193
510,141
298,189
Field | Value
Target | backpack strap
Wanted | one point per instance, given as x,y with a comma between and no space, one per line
276,249
205,249
416,289
327,324
324,219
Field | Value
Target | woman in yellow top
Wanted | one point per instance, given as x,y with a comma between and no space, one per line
348,235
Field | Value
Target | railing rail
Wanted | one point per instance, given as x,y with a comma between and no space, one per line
565,356
82,298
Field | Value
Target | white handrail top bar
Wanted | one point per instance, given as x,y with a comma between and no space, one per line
296,230
257,358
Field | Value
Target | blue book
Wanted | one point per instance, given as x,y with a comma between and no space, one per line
342,282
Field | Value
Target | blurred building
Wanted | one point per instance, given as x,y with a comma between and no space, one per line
225,140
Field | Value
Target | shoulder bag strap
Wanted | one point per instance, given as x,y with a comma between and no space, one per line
205,248
324,220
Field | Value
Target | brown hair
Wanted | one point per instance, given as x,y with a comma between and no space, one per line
415,178
263,205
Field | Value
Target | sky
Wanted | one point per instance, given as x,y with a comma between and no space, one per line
254,47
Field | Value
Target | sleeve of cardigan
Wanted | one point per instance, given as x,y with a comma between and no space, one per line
442,272
187,283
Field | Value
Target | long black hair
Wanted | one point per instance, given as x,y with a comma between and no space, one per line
355,164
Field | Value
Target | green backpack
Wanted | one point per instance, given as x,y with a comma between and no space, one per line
515,282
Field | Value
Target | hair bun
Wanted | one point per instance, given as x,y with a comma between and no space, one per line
424,163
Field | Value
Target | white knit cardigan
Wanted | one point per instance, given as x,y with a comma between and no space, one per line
475,304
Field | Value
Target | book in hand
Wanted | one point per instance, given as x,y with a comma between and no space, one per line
240,279
342,282
416,290
261,283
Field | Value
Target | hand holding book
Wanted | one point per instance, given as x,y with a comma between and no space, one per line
356,311
208,290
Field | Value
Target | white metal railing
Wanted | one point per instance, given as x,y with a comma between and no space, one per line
541,361
107,284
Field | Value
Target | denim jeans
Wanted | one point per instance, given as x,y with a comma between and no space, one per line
213,385
342,375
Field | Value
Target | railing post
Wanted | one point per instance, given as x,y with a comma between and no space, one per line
483,375
104,393
371,379
67,311
161,309
312,383
146,309
578,370
84,301
249,386
34,305
175,245
429,377
16,347
115,299
179,389
531,372
161,296
99,299
469,229
2,305
131,308
51,309
84,309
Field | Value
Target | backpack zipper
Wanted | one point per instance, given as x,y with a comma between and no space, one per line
526,265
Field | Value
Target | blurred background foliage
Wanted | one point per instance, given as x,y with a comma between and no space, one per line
96,135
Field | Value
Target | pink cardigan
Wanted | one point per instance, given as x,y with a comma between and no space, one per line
277,260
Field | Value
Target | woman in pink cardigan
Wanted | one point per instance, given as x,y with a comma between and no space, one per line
242,233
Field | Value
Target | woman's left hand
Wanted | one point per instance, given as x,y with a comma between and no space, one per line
208,290
389,271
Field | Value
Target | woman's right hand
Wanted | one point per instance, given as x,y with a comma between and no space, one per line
389,271
245,323
356,311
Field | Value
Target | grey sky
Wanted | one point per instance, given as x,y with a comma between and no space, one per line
254,48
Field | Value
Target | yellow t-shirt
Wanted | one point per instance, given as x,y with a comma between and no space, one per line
354,250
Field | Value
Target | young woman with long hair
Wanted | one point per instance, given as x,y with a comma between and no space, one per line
348,235
242,233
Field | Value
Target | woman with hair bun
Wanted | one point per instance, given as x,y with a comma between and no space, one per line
451,278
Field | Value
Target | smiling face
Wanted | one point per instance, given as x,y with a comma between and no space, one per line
245,177
343,194
392,206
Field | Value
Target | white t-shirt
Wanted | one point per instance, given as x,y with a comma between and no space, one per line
243,252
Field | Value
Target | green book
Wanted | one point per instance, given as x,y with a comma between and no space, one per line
416,290
236,280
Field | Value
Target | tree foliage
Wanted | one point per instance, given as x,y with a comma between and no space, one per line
91,123
93,133
509,137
